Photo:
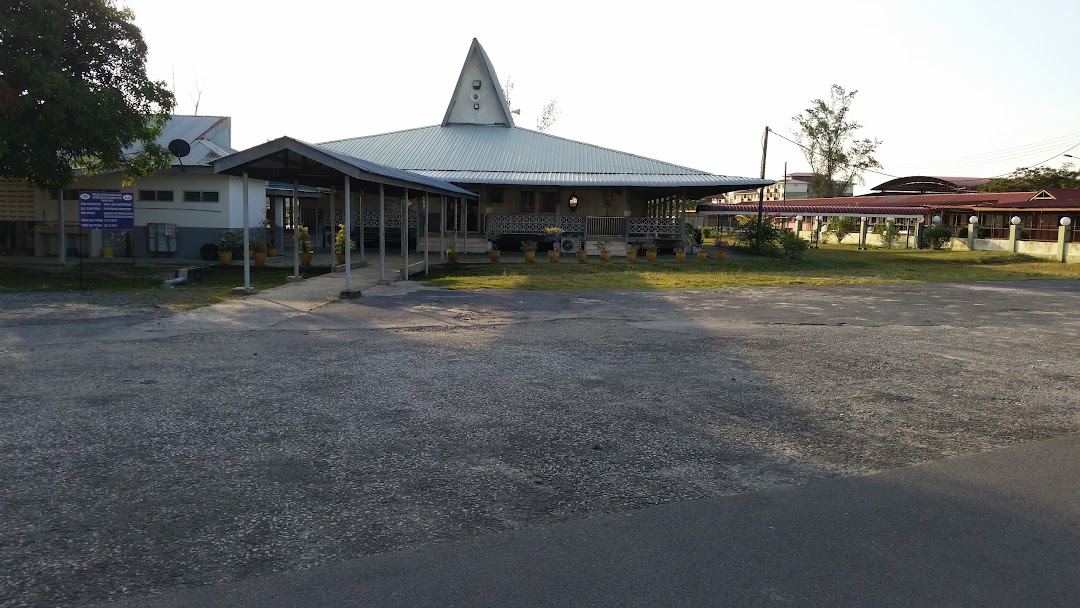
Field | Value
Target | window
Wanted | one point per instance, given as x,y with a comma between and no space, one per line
155,195
495,196
528,201
194,196
548,200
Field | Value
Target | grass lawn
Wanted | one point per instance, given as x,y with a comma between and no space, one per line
141,284
831,265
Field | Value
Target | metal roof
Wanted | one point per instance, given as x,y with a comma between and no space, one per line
286,159
926,183
481,154
208,136
825,210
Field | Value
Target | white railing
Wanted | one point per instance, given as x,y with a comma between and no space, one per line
606,226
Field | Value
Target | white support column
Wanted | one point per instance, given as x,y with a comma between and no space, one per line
442,229
296,231
427,261
278,205
247,237
405,234
382,234
61,235
862,233
348,233
333,195
463,206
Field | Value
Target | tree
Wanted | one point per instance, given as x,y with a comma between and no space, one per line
826,133
548,116
1027,179
74,93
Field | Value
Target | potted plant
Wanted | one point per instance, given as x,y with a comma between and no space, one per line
113,242
720,253
631,252
602,246
339,244
258,251
555,234
528,249
303,243
579,252
451,254
680,253
650,251
230,240
493,252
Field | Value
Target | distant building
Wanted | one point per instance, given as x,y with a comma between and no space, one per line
795,187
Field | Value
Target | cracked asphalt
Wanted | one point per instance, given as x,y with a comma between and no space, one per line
142,451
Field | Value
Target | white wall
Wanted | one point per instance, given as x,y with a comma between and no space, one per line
226,213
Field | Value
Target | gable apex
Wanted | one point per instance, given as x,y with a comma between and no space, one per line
478,97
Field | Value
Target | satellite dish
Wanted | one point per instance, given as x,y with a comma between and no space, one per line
179,148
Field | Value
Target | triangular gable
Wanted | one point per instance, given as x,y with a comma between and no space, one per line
478,97
1042,195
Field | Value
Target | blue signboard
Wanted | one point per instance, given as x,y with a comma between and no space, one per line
106,210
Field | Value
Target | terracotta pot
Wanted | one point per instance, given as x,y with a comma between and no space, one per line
680,256
650,256
106,252
451,256
306,257
340,259
553,255
494,255
582,256
271,252
224,257
631,255
702,256
259,257
529,255
720,254
605,256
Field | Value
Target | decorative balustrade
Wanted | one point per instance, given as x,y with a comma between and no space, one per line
606,226
655,226
369,219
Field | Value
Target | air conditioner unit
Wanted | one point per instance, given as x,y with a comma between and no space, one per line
568,245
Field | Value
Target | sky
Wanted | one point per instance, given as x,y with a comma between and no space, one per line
949,87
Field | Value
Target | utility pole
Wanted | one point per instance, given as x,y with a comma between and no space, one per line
785,181
761,191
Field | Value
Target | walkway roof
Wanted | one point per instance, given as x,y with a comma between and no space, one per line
926,183
288,159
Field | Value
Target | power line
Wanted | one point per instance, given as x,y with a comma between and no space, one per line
1011,152
1076,145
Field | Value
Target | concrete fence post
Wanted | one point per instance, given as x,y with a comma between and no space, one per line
1062,243
862,234
1012,237
973,229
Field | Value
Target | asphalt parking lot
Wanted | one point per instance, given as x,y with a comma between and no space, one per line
141,454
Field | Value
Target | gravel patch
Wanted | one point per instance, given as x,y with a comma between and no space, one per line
136,465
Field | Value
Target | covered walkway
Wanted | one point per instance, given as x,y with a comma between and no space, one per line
289,160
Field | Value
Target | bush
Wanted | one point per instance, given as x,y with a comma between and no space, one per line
707,232
746,235
937,236
888,232
208,251
843,226
793,245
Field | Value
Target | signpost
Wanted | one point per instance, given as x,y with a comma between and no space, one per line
107,211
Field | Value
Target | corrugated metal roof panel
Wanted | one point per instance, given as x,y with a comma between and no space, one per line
778,208
481,148
208,137
522,178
